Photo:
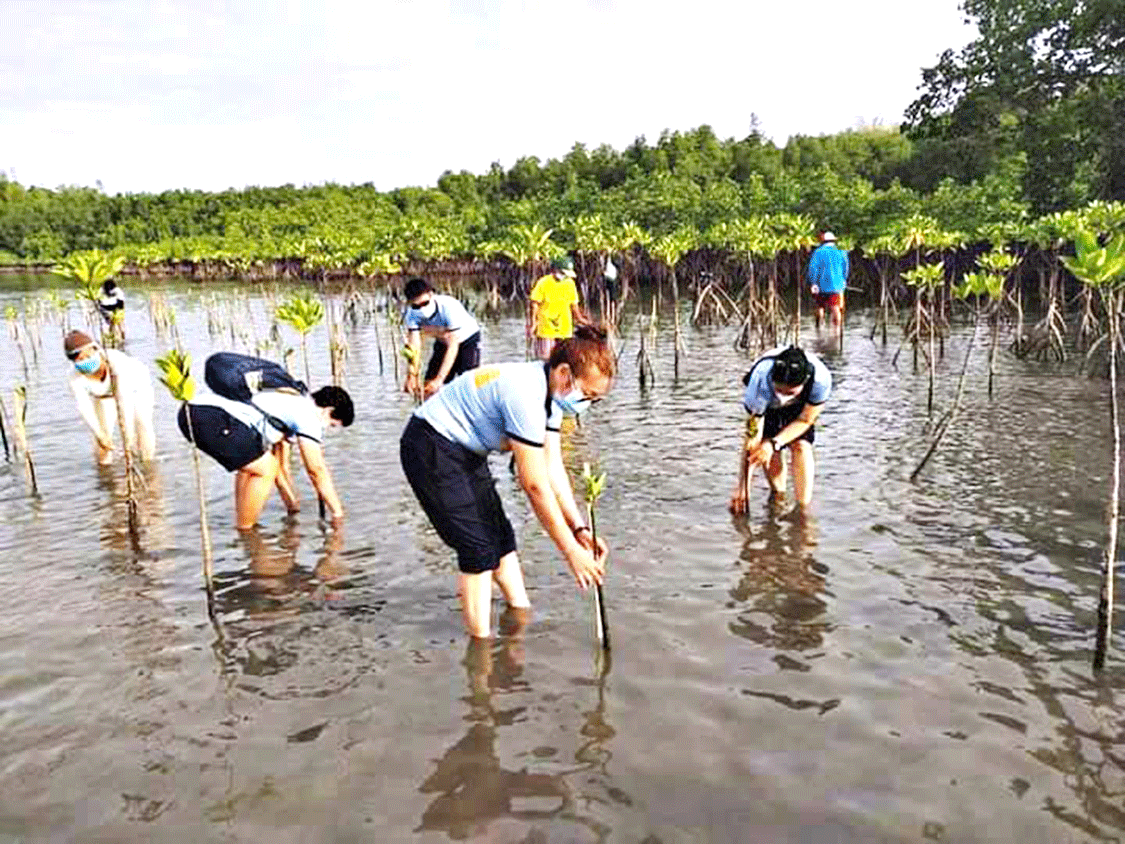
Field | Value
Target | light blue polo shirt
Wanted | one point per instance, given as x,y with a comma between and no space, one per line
760,395
299,413
450,315
485,406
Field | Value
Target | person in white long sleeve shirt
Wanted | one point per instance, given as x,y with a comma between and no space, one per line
92,387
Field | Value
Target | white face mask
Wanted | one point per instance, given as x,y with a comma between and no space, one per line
783,399
428,309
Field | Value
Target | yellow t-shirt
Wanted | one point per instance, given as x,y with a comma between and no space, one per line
555,296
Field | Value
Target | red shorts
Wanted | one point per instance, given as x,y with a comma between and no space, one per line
829,300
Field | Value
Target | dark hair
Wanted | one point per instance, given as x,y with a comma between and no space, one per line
338,399
791,368
415,287
108,285
588,348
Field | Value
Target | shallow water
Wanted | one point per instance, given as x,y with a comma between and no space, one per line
908,663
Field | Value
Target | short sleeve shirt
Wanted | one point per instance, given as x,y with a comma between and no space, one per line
484,407
828,268
449,315
760,395
555,296
299,413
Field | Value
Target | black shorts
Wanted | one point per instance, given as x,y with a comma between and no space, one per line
778,417
457,492
230,441
468,357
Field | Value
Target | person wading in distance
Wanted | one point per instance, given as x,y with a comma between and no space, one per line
456,335
828,277
517,407
92,385
253,440
554,307
786,389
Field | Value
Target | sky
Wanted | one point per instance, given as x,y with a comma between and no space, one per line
148,95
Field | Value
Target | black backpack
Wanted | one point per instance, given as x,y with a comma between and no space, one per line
239,377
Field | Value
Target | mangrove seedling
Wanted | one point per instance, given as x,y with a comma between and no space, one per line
12,316
594,487
127,453
927,277
973,284
19,402
303,312
90,270
176,369
1104,270
4,433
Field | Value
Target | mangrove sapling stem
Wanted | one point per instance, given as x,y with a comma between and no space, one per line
995,343
19,403
378,344
917,324
948,417
127,451
1105,599
601,623
930,400
4,435
797,316
595,484
176,369
677,340
204,528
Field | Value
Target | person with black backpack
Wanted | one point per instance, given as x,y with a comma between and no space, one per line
255,413
786,389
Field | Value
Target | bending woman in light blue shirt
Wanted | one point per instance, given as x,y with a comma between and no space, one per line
786,390
517,407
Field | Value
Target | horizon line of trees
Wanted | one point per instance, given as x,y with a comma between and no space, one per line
861,183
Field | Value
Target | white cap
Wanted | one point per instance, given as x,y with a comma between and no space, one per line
827,236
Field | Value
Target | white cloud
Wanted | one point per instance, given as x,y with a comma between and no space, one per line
147,97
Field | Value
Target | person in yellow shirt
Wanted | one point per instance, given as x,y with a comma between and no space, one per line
554,307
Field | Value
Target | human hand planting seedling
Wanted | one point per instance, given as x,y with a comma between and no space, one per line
413,384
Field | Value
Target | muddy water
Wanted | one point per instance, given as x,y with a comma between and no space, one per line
909,662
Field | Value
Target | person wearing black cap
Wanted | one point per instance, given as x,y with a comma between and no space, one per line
111,303
786,390
252,439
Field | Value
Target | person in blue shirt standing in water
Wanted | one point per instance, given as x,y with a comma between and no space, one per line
517,407
828,276
456,335
786,389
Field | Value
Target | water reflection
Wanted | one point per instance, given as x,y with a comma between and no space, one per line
782,581
266,615
153,531
472,787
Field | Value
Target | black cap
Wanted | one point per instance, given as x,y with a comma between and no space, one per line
791,368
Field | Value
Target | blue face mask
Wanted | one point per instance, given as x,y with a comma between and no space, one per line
90,365
573,403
